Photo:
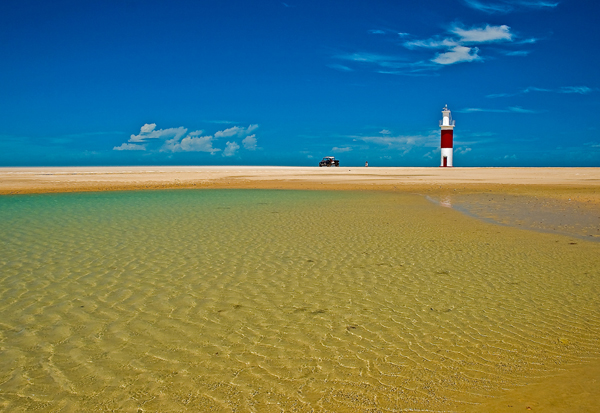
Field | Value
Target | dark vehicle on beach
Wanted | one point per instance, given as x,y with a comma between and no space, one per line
329,161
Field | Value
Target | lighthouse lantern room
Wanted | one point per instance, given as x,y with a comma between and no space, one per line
447,127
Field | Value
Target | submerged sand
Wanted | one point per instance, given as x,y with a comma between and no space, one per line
268,300
536,198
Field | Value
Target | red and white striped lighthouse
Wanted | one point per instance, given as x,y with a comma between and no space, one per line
447,126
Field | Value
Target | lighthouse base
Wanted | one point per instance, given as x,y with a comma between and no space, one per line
446,160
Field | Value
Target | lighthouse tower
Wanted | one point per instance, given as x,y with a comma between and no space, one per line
447,126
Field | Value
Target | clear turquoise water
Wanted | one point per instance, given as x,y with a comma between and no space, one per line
265,300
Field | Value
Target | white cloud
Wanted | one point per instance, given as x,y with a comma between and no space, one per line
344,149
148,131
148,127
236,131
483,34
249,142
129,147
228,132
179,140
457,54
191,143
460,46
385,132
230,149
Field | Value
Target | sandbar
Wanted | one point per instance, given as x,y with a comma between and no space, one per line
580,183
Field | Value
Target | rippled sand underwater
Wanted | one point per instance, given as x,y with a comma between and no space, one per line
268,301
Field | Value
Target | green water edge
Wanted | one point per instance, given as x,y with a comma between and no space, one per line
276,300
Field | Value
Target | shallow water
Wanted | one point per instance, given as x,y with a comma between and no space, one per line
555,216
265,300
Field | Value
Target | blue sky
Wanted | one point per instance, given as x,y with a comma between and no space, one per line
285,83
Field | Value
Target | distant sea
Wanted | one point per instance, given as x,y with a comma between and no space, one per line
274,300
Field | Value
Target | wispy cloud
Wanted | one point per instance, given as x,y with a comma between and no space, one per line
388,32
402,143
220,122
531,40
344,149
507,6
460,45
436,43
383,60
130,147
512,109
487,7
519,109
341,68
582,90
385,64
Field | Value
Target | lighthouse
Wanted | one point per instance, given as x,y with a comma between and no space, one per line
447,127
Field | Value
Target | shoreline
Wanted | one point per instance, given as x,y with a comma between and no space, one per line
556,200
